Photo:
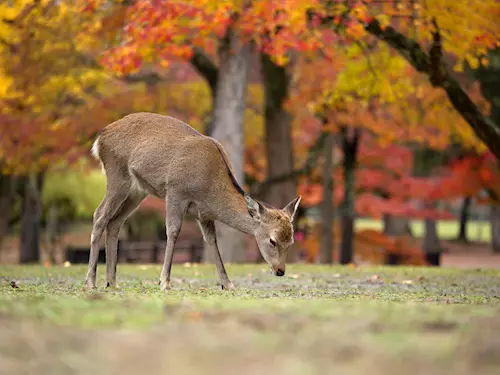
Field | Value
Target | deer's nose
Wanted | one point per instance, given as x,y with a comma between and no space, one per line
279,272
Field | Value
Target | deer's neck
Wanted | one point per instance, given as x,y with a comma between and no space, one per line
232,211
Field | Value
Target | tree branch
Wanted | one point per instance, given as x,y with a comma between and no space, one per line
312,157
206,67
150,78
484,128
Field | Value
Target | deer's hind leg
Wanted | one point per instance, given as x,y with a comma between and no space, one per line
117,191
176,209
209,235
112,231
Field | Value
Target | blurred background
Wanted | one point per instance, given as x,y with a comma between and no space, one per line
383,115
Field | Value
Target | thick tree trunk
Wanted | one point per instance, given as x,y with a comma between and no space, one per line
495,229
228,129
278,137
30,220
464,219
327,209
278,131
350,148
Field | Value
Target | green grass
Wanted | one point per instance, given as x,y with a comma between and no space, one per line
479,231
314,320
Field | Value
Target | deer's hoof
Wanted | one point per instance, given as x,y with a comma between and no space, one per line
228,286
164,285
90,285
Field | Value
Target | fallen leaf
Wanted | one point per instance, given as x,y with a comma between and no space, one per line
294,276
375,278
143,267
197,273
407,282
187,264
336,275
47,263
67,264
203,288
13,284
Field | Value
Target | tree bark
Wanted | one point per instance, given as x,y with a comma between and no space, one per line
396,226
30,220
228,129
52,231
464,219
495,229
432,243
327,209
350,148
278,132
8,185
278,136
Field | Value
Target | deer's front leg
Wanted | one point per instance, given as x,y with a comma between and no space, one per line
208,230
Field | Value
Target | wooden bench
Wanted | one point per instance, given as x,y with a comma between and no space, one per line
141,252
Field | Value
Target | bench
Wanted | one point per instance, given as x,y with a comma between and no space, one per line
141,252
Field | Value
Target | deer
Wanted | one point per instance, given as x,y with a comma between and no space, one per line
145,154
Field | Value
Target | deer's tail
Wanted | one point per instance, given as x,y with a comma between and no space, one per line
95,154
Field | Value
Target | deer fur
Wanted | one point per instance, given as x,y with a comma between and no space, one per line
150,154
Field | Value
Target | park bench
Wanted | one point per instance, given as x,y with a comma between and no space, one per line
141,252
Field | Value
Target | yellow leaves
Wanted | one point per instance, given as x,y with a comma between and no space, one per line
458,67
384,21
472,60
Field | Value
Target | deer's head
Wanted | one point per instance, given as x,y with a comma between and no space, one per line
274,231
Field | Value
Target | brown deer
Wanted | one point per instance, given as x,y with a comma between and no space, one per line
150,154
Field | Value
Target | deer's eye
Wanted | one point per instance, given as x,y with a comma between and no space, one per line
272,242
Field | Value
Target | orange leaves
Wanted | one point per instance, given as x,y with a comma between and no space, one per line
469,177
169,29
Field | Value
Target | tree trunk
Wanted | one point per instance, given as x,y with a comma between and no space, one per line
327,210
30,220
228,129
495,229
350,148
464,218
278,132
432,244
396,226
52,231
278,137
7,190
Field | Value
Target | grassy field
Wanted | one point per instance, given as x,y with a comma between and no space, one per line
315,320
477,231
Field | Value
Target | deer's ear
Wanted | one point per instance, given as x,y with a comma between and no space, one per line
254,208
291,208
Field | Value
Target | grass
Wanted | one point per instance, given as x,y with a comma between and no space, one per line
477,231
315,320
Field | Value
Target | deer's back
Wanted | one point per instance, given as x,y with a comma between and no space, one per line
159,150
